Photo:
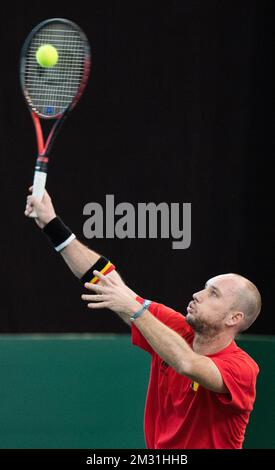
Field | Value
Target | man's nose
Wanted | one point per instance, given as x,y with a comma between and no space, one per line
198,296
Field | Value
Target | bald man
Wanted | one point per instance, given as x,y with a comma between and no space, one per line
202,386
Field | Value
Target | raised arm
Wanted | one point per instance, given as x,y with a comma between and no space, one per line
79,258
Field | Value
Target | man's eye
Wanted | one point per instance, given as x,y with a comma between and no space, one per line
213,292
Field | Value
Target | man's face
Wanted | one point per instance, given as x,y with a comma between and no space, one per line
210,308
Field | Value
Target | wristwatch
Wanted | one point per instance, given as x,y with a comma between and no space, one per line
144,307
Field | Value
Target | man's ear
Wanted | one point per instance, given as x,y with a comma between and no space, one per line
235,318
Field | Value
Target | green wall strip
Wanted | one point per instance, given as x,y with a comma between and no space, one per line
88,392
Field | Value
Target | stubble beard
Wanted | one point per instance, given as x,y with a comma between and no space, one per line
202,327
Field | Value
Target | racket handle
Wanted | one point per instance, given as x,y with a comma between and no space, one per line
39,183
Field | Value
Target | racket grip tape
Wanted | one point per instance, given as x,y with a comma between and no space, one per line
39,183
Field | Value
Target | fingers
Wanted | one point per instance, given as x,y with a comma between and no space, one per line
30,204
95,298
104,292
101,277
31,200
98,300
105,280
96,287
28,211
99,305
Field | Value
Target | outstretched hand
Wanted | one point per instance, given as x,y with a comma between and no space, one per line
110,294
44,209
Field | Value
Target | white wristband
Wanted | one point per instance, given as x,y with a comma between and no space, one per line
144,307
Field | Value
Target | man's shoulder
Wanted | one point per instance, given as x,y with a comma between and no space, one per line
244,356
235,354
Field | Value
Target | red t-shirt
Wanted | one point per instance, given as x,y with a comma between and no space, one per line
181,414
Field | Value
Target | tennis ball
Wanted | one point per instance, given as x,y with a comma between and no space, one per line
47,56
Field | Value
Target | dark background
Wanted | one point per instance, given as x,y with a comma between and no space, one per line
177,109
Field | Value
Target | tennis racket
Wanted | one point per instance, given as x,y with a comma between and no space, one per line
51,92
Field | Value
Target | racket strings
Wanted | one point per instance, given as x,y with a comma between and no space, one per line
51,90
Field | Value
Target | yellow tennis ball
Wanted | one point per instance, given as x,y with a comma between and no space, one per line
47,56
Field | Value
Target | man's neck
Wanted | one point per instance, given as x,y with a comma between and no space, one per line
206,345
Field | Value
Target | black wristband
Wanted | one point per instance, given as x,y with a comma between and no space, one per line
58,233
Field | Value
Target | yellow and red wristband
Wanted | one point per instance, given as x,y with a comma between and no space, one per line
103,265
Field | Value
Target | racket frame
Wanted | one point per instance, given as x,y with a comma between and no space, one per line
43,148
